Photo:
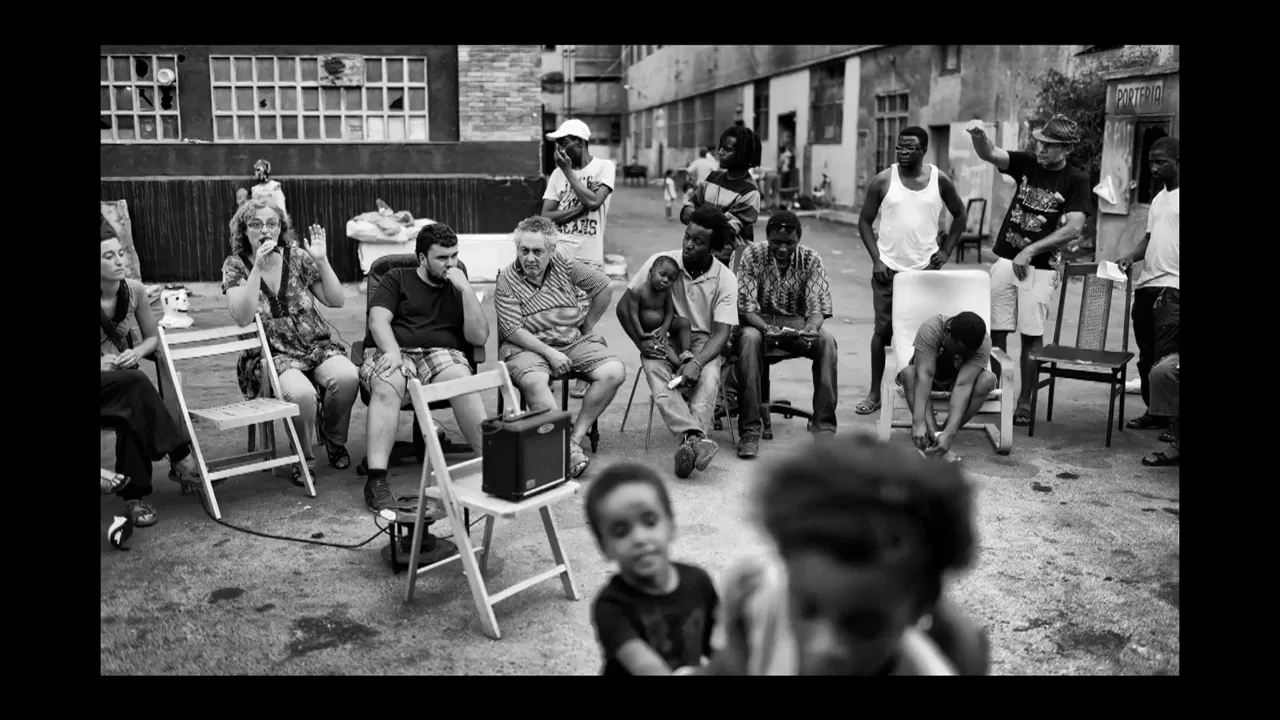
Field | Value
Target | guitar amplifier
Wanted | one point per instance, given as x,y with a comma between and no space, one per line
525,453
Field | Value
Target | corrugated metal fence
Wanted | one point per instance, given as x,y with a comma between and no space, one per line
180,228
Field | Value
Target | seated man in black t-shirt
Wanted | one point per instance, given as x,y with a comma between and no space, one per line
421,320
1048,211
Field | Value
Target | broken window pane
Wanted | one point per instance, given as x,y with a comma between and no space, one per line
374,96
288,98
267,125
377,130
332,99
353,98
147,127
244,123
105,122
310,99
225,128
124,127
169,127
266,98
144,99
395,70
142,67
106,99
124,97
355,128
395,99
244,70
373,70
106,69
222,100
417,128
288,70
221,70
168,98
417,71
120,69
288,127
310,70
266,70
395,129
333,127
244,99
417,99
311,127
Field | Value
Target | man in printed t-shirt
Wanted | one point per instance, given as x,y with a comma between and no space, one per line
1047,212
577,201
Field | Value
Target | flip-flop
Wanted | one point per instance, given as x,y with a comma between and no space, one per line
1159,459
866,407
578,460
1022,416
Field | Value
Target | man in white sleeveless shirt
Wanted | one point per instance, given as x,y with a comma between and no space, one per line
908,197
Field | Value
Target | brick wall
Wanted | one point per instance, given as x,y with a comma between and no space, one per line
499,92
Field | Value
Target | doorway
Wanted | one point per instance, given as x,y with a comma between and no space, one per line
548,146
941,144
1147,133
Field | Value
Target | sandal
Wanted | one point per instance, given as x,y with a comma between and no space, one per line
140,513
1159,459
296,478
190,482
112,482
338,457
578,460
1022,416
1147,422
1166,436
866,407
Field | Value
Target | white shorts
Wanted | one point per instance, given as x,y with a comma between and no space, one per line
1021,305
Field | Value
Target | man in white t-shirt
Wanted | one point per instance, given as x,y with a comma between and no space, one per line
1156,293
577,201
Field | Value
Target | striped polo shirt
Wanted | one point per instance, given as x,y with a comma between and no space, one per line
549,310
739,199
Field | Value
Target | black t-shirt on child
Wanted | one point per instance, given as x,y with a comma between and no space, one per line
677,625
1042,198
422,315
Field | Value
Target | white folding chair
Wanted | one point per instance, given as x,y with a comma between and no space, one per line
918,296
458,489
235,415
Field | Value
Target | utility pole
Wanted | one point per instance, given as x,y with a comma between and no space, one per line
568,54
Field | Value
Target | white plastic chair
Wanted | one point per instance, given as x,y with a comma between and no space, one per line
918,296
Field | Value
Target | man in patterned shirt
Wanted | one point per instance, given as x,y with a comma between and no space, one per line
544,333
783,299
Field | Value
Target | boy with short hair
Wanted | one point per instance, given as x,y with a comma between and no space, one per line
651,310
654,617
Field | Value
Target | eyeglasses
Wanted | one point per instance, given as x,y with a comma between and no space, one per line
907,148
258,224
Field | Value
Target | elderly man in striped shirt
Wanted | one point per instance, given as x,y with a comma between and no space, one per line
544,333
783,299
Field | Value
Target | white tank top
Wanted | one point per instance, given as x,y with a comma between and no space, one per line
909,223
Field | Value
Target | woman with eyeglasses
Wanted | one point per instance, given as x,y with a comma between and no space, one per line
269,272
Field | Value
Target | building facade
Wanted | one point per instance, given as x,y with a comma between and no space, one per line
583,82
447,132
839,108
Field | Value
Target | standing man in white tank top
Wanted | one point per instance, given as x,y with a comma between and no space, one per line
908,197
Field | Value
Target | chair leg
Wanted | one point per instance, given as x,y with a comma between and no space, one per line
627,412
553,536
1035,400
649,431
474,578
1123,379
728,417
1053,385
489,522
1111,410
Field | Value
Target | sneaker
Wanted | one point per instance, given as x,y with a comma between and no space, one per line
748,446
686,458
377,494
704,448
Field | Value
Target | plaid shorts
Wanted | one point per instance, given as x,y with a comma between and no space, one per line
424,364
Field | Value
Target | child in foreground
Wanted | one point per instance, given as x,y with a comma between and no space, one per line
651,310
654,616
865,533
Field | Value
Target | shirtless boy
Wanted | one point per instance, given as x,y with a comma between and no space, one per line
651,309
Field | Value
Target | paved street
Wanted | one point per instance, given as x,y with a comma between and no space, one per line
1078,571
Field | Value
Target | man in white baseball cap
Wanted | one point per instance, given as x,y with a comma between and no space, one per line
577,201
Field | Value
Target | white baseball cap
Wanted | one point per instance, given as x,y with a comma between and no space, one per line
576,128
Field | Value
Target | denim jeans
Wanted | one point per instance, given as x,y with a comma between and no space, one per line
751,349
681,417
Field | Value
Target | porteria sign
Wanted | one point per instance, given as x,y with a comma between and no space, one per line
1141,96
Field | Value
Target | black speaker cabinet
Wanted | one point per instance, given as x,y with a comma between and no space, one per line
525,453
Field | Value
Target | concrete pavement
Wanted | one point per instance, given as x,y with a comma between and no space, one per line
1078,572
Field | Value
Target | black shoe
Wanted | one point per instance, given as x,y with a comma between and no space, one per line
686,458
748,446
377,494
